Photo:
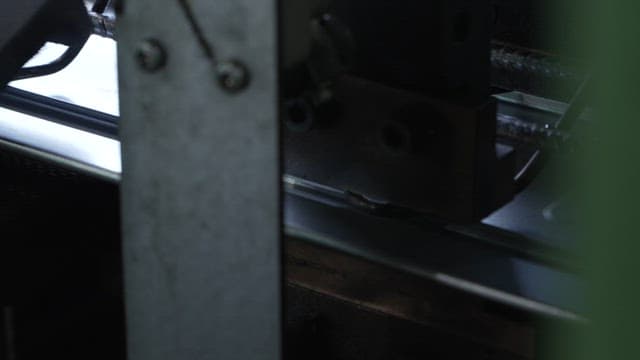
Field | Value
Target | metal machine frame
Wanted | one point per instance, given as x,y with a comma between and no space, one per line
200,183
203,210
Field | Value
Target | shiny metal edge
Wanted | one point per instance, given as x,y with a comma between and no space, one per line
63,162
532,101
74,149
508,299
539,103
456,282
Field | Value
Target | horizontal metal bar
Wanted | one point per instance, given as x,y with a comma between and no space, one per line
504,268
446,257
81,150
47,108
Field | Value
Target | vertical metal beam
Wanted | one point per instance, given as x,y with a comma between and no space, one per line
200,182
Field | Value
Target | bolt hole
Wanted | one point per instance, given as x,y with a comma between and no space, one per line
299,115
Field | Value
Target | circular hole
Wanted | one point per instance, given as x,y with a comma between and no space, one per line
300,116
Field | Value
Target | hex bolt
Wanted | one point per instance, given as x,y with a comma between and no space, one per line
233,75
151,55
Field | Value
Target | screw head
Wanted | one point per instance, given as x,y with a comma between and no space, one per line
151,55
233,75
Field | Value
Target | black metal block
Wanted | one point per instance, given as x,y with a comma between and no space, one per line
439,48
406,149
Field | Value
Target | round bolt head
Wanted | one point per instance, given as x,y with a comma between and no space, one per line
151,56
233,76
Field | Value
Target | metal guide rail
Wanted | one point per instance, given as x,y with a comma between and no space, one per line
520,255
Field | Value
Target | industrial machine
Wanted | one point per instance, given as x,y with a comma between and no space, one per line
326,179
